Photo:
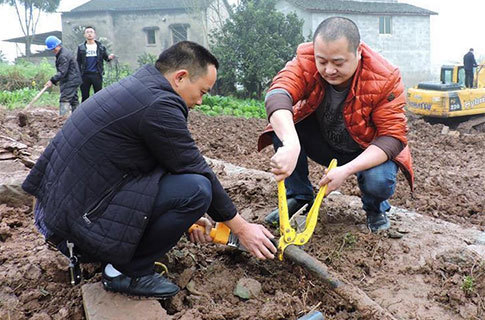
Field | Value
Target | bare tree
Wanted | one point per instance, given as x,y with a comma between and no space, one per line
212,13
28,13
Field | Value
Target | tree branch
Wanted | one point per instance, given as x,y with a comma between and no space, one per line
18,16
228,7
34,27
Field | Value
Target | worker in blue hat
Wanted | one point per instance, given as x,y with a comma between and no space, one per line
68,75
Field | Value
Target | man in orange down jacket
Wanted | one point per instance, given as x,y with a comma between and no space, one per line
338,99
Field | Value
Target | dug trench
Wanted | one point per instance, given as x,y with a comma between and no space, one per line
429,266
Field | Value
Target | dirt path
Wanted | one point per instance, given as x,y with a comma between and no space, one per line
429,267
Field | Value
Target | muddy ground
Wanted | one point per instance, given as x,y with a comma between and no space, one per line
427,271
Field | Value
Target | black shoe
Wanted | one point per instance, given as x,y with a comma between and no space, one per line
152,285
378,222
273,218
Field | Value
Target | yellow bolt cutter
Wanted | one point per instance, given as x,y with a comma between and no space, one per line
288,234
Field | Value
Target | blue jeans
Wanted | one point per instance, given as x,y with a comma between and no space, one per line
182,199
376,184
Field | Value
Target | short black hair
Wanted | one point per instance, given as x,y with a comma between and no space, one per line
471,49
186,55
334,28
89,27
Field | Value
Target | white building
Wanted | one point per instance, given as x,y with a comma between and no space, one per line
398,31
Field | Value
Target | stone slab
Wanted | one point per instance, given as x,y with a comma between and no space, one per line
100,304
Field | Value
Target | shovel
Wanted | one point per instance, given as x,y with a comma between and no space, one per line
22,115
31,103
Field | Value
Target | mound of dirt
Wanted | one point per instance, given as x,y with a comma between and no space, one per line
450,179
428,267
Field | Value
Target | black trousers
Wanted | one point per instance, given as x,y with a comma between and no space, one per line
91,79
69,94
182,199
469,78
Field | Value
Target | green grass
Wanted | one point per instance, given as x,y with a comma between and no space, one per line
468,285
20,98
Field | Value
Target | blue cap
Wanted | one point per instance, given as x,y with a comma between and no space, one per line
51,42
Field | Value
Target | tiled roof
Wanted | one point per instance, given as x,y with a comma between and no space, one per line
39,38
124,5
343,6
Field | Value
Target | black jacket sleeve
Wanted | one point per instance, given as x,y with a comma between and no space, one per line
104,53
164,130
79,58
62,69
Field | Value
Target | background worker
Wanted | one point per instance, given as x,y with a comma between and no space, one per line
338,99
91,55
469,63
67,75
123,179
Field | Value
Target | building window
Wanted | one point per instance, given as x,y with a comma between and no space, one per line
151,37
179,32
385,25
151,33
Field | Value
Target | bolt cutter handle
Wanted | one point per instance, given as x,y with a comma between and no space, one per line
288,234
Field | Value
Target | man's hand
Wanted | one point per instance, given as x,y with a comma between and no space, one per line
111,57
197,236
335,178
48,84
254,237
371,157
284,160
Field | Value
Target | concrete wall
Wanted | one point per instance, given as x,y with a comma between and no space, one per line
407,47
131,39
101,21
127,30
308,28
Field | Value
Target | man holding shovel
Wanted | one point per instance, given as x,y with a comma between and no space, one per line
67,75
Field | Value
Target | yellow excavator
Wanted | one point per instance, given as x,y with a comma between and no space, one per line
448,101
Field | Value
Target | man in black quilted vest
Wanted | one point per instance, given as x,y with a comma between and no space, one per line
123,178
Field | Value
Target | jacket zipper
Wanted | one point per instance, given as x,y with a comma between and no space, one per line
87,214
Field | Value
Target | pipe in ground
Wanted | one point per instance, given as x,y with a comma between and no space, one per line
356,297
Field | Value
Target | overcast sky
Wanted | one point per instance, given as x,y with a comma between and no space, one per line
10,26
457,27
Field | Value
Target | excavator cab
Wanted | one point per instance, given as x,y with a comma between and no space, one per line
453,74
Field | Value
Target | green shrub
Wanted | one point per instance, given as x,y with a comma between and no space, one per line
219,105
468,285
227,111
25,74
253,45
146,58
115,71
